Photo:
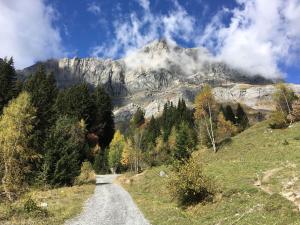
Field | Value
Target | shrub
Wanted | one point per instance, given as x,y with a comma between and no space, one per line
285,142
278,120
188,185
30,207
87,174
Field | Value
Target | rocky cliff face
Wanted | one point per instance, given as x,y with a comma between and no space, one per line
161,72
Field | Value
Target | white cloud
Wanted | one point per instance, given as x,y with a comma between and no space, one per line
94,8
260,36
27,32
135,32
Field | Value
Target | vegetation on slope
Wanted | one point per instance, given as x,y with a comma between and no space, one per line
49,139
59,205
237,168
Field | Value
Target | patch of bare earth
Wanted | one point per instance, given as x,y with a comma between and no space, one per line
288,185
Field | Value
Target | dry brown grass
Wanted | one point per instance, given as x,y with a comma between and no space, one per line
62,204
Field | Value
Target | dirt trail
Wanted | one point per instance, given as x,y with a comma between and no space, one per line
289,188
110,205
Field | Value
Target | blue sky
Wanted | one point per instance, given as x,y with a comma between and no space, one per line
87,23
260,36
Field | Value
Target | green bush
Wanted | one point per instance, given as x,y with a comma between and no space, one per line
188,185
278,120
30,207
87,174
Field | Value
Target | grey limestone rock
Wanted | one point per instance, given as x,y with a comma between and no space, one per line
158,73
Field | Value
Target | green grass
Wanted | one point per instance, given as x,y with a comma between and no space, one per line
63,203
234,168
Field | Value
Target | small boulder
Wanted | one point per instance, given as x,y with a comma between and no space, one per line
44,205
162,173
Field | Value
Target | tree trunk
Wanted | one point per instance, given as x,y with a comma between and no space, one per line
7,190
211,130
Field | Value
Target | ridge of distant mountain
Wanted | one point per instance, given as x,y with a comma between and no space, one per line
161,72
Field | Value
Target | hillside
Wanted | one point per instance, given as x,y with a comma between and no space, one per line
257,173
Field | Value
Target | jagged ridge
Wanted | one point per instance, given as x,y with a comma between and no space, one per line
159,72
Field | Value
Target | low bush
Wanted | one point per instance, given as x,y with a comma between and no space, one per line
188,185
278,120
87,174
30,207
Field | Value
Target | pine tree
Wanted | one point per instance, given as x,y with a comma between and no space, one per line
76,102
138,118
99,162
43,92
172,139
185,142
241,118
64,149
8,78
229,114
152,131
16,126
103,119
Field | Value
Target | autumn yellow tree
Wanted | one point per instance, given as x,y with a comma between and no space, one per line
137,140
128,155
225,128
205,112
115,150
160,152
16,125
283,98
296,110
172,139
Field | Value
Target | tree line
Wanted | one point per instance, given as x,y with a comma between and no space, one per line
47,133
176,133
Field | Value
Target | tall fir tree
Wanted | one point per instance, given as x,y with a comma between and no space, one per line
64,149
103,119
229,114
241,117
138,118
43,92
185,142
152,131
8,79
76,102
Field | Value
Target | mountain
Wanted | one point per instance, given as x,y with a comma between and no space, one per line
161,72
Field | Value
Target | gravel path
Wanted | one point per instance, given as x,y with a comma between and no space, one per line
110,205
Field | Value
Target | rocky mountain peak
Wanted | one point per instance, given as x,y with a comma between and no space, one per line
157,46
159,72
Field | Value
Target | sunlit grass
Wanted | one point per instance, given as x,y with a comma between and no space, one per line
62,204
235,168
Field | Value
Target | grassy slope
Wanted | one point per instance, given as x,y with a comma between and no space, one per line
63,203
235,168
